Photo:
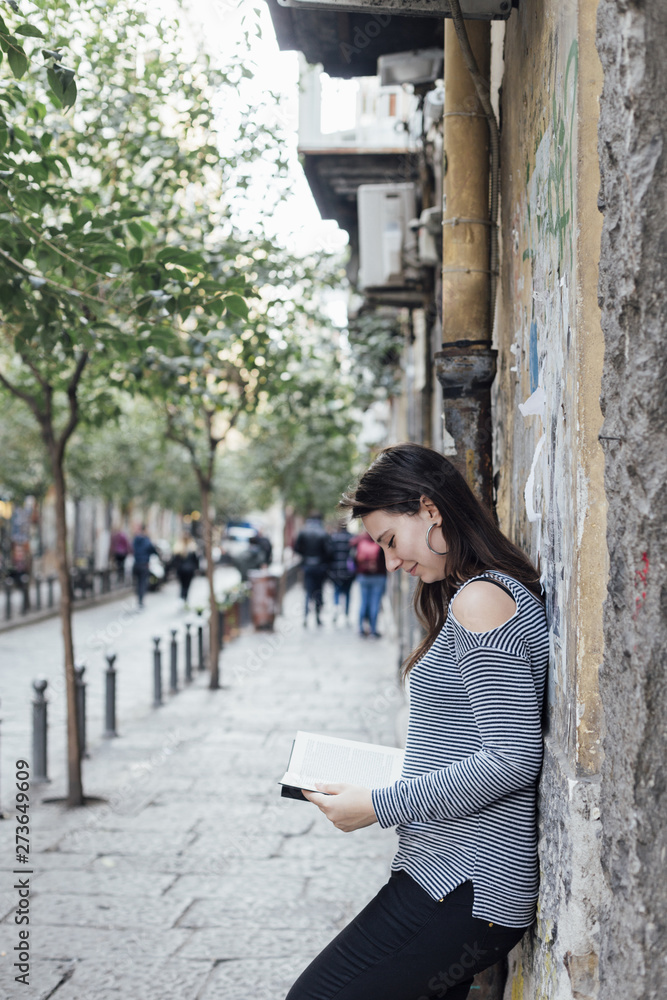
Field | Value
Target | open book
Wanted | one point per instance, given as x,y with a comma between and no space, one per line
326,759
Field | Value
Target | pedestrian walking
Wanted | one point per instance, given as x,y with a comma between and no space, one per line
186,564
372,574
342,570
119,550
464,881
263,545
312,544
143,549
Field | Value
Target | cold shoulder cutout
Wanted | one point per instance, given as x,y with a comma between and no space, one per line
483,605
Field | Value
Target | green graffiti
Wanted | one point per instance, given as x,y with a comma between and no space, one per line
560,189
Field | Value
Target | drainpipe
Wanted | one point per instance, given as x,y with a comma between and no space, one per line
466,364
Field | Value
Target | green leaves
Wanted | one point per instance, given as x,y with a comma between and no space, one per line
29,30
236,306
121,241
63,84
186,259
15,55
19,62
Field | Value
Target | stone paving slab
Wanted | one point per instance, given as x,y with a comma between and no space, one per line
139,976
62,942
109,881
45,977
238,941
192,878
227,888
287,911
259,980
107,911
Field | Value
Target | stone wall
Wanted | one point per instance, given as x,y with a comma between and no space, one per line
548,459
632,42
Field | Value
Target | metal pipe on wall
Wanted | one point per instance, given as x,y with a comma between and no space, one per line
466,364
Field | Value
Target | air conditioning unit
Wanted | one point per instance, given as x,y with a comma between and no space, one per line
385,237
419,66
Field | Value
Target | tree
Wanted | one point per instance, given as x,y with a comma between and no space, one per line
219,370
24,470
376,341
128,461
212,375
86,280
303,441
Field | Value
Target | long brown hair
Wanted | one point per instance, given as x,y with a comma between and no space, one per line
395,481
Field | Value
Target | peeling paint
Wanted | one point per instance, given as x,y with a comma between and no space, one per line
533,501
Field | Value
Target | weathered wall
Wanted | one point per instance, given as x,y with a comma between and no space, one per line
632,42
547,455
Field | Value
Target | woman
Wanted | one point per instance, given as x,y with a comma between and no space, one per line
341,568
372,575
465,878
186,564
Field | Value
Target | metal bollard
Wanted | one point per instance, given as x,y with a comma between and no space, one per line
38,593
106,581
110,704
157,673
173,663
81,707
39,731
188,653
200,642
25,588
221,628
50,580
8,598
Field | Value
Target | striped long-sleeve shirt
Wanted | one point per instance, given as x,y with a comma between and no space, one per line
464,807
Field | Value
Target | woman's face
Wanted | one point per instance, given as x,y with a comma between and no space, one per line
403,538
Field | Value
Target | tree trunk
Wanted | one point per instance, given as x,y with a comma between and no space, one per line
205,489
75,787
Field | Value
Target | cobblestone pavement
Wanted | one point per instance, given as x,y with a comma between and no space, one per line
36,650
192,879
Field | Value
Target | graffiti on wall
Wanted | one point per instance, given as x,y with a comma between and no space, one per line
543,275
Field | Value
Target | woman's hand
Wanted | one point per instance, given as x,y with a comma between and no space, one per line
349,807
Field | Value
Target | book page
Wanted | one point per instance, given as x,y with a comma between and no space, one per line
330,759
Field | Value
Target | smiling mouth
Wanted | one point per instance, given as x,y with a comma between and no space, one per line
412,571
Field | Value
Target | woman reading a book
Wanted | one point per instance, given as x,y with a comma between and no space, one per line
464,881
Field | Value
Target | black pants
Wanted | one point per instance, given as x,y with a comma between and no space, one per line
185,579
407,946
313,581
141,574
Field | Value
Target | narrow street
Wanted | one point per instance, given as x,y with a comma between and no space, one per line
35,650
192,878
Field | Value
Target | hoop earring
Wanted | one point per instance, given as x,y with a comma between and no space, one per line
428,544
